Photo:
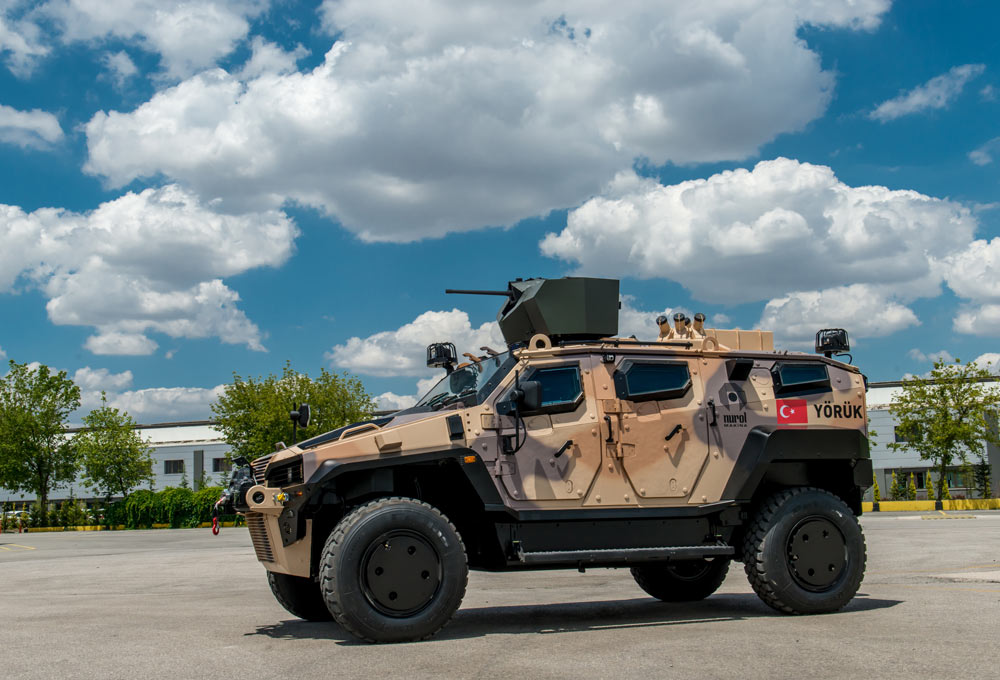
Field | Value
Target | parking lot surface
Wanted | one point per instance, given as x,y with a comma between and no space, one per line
186,604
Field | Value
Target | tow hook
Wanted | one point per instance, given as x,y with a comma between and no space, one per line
223,500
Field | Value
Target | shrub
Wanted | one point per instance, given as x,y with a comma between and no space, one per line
911,489
176,506
895,492
875,490
204,500
929,483
945,494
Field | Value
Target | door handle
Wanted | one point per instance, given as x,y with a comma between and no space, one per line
610,439
715,417
677,428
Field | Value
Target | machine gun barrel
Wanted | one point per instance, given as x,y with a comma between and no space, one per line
453,291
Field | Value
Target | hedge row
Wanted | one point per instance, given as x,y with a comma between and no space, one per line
178,507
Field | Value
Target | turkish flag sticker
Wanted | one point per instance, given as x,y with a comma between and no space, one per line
792,412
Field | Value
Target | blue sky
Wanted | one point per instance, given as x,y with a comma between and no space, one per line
192,190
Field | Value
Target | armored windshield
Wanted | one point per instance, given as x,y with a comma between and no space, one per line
466,386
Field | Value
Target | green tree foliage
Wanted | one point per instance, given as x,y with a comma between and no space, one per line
253,413
115,459
945,495
911,489
929,483
946,415
983,474
35,455
897,490
877,496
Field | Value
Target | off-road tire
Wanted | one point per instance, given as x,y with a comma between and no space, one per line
683,580
774,554
299,596
360,603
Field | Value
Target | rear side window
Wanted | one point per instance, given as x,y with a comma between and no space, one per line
561,388
801,378
647,380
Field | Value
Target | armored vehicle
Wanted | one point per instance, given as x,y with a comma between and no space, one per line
573,448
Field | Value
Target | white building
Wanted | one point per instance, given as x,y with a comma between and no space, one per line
886,460
193,451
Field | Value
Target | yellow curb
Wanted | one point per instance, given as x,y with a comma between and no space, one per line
905,506
972,504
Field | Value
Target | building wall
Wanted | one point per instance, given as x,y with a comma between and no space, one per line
181,442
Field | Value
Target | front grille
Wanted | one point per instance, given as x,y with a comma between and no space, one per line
285,474
258,467
258,534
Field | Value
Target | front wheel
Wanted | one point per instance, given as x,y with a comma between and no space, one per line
804,552
682,580
393,570
299,596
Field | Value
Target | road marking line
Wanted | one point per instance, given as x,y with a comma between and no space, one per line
26,547
4,548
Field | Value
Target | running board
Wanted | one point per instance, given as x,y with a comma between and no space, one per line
624,555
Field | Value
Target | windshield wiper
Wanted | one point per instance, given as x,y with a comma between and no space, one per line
457,397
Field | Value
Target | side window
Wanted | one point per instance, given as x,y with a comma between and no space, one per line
648,380
562,390
800,378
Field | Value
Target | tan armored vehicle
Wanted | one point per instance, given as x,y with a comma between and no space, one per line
573,448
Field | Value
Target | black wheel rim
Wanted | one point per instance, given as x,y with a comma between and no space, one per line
400,573
817,554
689,570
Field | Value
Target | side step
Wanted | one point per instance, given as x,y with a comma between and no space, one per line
624,555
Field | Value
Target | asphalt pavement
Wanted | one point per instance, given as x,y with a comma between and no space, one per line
187,604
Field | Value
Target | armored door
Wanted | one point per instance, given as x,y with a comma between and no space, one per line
657,424
559,453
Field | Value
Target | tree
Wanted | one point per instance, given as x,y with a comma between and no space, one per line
35,454
115,458
253,413
911,489
929,484
944,493
875,490
984,478
895,492
946,415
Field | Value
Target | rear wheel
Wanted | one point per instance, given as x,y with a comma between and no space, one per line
299,596
682,580
393,570
804,552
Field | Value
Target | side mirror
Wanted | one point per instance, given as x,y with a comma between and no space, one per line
527,396
301,416
830,341
530,395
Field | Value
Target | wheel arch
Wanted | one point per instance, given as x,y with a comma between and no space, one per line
455,481
772,459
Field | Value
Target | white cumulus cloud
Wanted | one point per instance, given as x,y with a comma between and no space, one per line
941,355
29,129
984,154
120,67
462,115
403,351
21,45
936,93
748,235
147,262
860,308
188,36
